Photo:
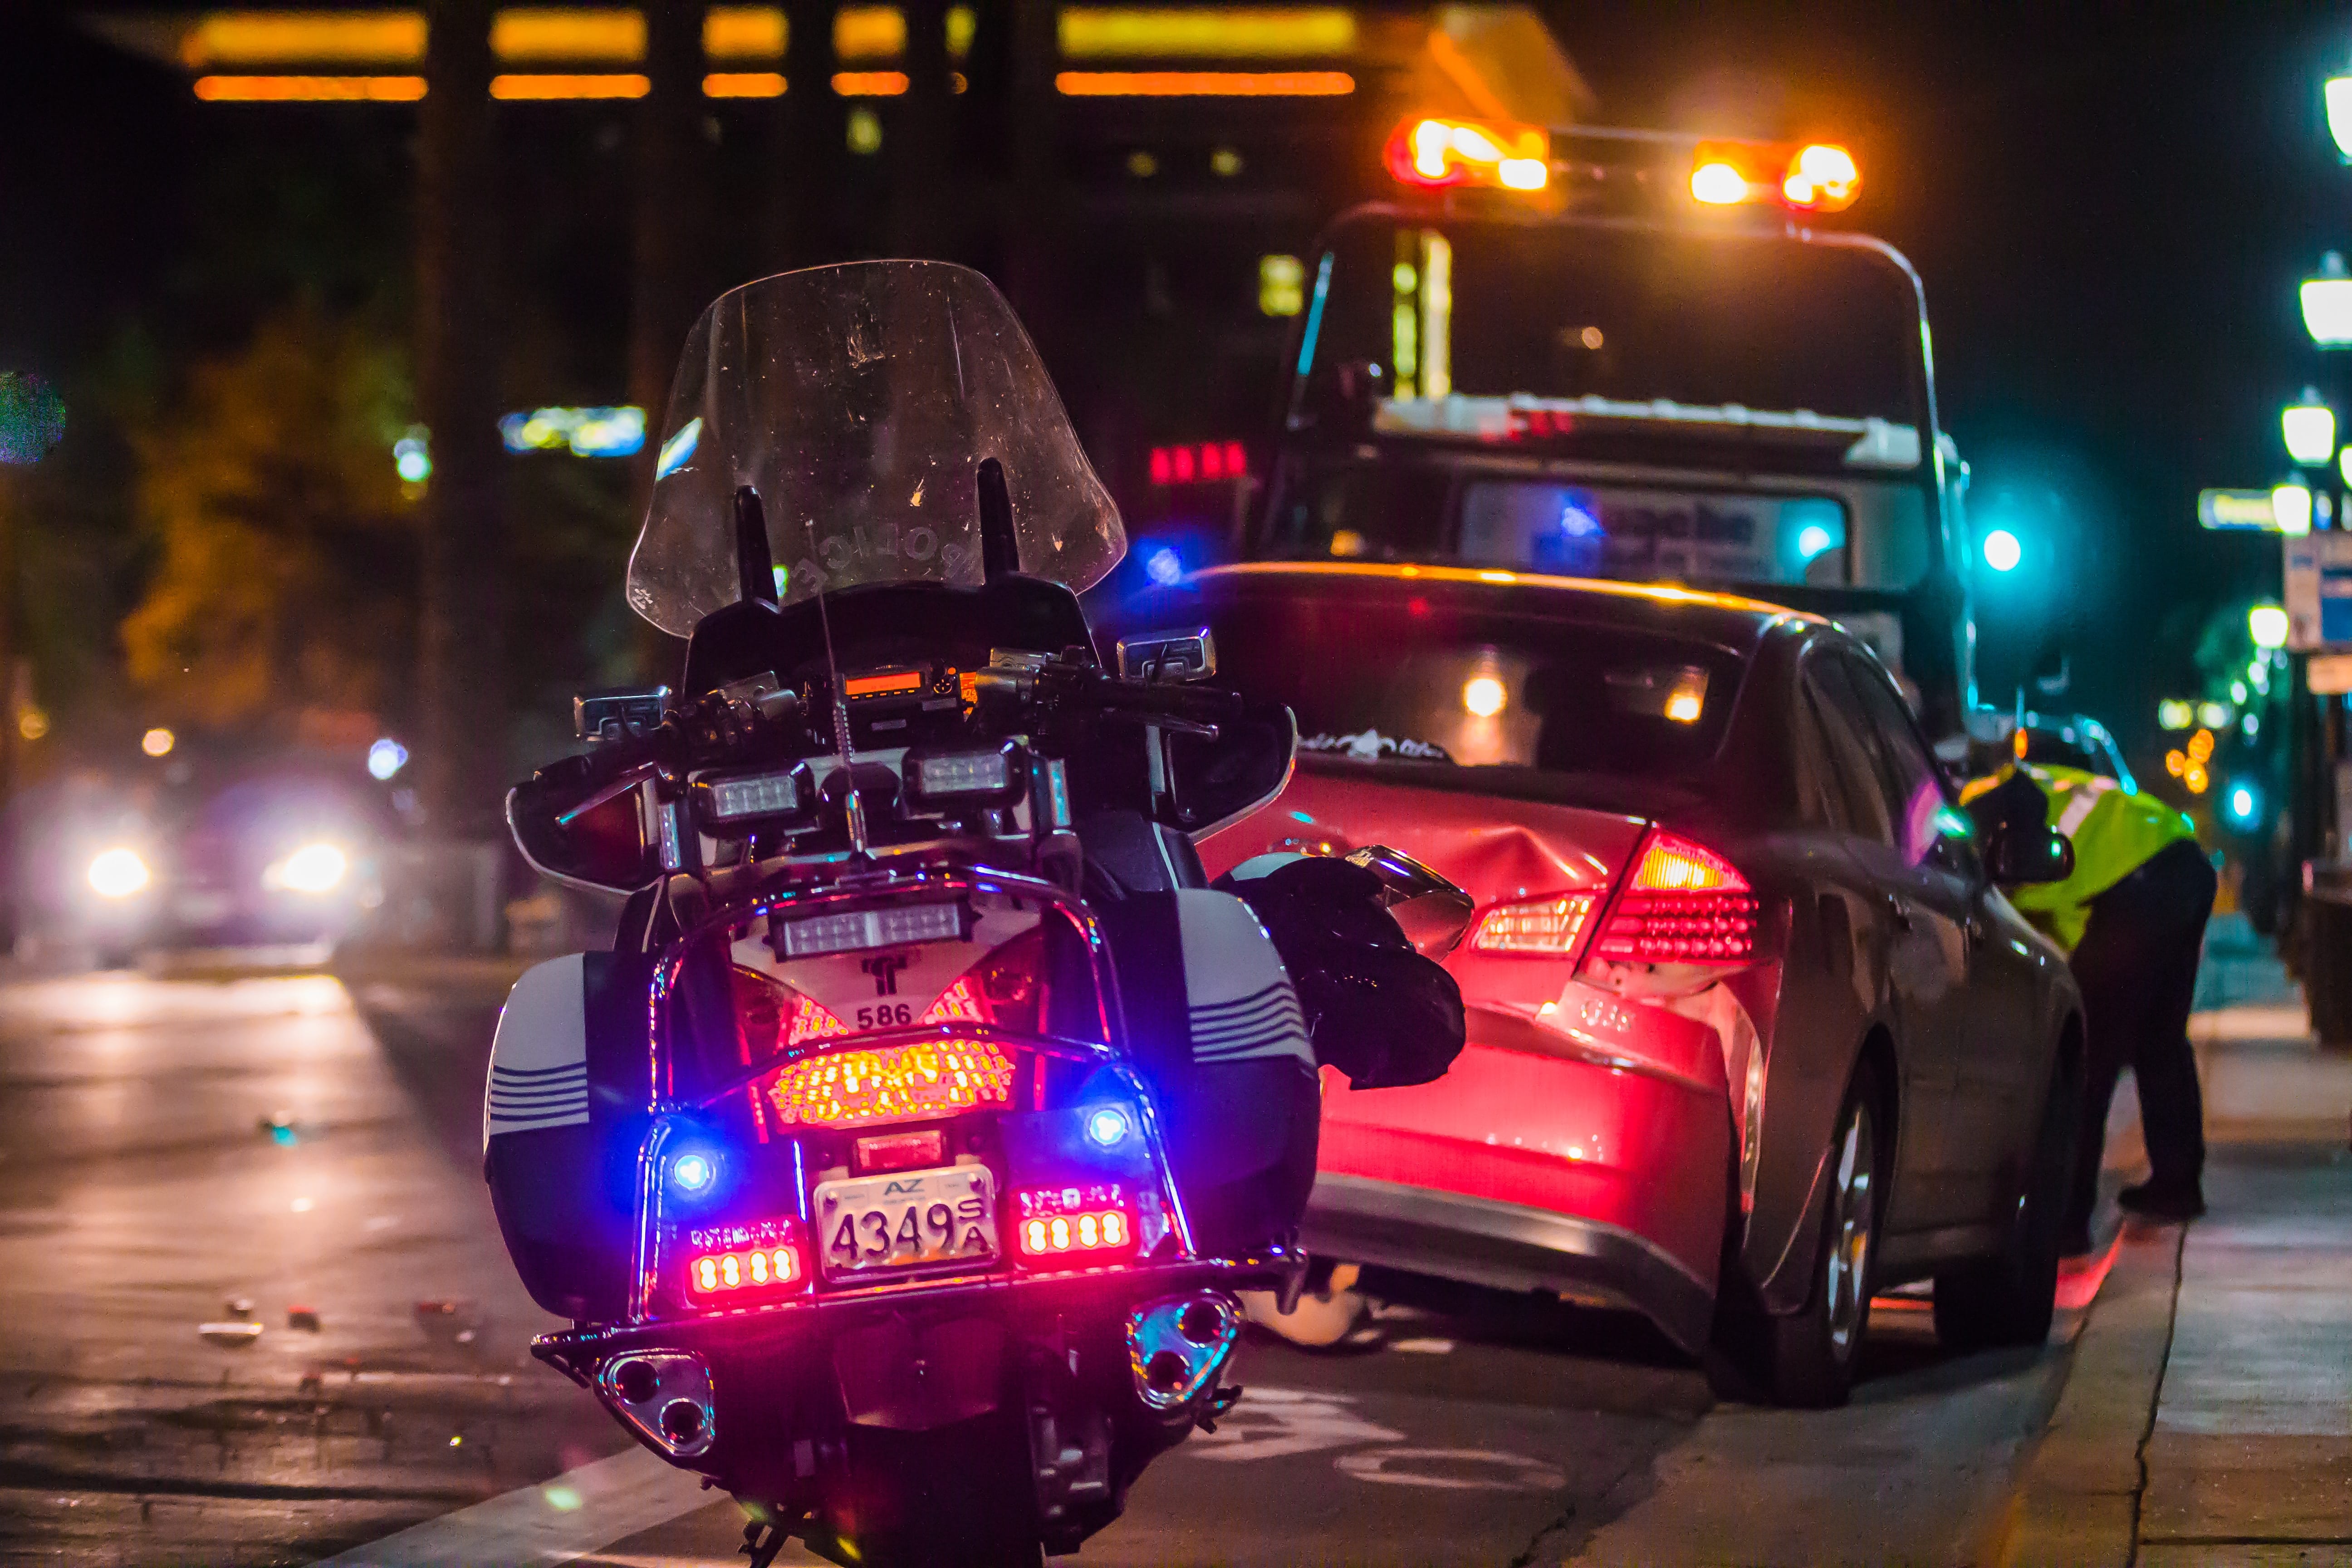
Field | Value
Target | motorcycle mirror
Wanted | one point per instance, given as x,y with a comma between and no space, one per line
1179,655
618,712
2016,853
1430,910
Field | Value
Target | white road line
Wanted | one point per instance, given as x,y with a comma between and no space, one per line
555,1522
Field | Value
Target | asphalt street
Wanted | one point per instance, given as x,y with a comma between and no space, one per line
256,1311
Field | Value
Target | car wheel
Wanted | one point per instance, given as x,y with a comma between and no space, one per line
2008,1299
1807,1358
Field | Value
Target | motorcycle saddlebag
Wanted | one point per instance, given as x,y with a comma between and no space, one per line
561,1131
1215,1026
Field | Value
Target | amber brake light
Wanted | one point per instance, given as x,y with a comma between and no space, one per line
1685,904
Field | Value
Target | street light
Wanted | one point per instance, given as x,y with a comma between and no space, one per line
2309,425
2001,550
2339,114
2267,625
2291,507
2327,303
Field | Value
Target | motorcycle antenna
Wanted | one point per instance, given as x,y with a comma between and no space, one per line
856,811
1000,547
755,564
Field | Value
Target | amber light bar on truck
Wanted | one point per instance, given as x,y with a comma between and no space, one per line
1438,154
1432,153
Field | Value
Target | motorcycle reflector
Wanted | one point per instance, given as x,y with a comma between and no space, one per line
893,1083
1544,927
1685,904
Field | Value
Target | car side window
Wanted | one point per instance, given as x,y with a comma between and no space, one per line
1837,712
1915,785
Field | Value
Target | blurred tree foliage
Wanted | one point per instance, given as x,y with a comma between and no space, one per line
283,577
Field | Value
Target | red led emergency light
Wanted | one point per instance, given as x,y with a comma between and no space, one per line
1094,1231
1206,461
751,1268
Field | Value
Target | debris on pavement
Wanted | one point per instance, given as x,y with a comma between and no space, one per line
230,1336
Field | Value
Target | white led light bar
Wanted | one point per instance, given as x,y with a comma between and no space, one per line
821,935
769,794
963,773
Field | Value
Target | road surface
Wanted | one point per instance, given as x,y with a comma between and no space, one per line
271,1152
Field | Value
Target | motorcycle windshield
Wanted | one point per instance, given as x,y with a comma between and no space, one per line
860,401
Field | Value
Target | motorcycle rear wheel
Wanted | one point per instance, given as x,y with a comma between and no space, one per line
955,1496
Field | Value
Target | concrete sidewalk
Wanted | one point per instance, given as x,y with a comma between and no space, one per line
2209,1416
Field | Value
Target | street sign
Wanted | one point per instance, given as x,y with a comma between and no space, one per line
2329,674
2318,592
2237,511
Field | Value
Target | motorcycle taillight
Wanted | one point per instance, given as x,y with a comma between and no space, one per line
836,1082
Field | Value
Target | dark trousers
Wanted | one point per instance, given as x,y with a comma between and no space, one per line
2137,965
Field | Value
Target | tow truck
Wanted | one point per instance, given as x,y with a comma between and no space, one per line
1632,354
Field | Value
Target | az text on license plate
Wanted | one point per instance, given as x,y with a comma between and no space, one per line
907,1220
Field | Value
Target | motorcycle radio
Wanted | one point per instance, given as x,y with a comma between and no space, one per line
905,704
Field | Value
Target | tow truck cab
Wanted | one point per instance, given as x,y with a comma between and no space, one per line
1638,357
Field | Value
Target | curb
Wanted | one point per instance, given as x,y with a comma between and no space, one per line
2078,1501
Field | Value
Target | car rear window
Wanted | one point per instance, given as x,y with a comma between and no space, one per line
1424,683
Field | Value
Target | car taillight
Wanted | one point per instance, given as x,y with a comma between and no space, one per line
1685,904
1545,928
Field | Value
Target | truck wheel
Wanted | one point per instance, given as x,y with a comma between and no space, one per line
2008,1299
1806,1359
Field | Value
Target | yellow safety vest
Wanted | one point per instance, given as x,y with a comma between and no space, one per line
2115,830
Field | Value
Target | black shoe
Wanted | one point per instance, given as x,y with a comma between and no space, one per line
2166,1206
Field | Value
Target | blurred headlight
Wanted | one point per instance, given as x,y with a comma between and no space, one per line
313,868
118,873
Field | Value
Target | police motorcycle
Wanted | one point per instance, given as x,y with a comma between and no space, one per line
899,1164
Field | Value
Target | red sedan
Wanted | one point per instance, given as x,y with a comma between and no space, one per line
1753,1033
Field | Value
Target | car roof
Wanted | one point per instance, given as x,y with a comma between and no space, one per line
1727,620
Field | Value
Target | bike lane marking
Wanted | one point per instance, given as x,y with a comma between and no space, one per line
1277,1423
554,1521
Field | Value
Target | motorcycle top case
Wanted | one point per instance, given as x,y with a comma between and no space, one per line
562,1120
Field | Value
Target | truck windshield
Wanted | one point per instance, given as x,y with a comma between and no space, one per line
1728,409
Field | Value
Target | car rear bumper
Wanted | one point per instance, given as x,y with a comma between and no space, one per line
1508,1246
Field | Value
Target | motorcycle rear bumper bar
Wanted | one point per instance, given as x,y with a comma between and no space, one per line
578,1353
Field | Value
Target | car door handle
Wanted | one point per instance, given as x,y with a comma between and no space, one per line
1898,911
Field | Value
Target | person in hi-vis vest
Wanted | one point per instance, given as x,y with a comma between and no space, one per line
2131,920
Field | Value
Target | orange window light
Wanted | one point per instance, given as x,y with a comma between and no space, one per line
1204,84
309,88
743,84
563,85
868,84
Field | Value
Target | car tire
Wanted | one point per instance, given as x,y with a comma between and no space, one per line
1806,1359
2009,1298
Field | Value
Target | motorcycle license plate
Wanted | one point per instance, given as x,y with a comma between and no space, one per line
910,1219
